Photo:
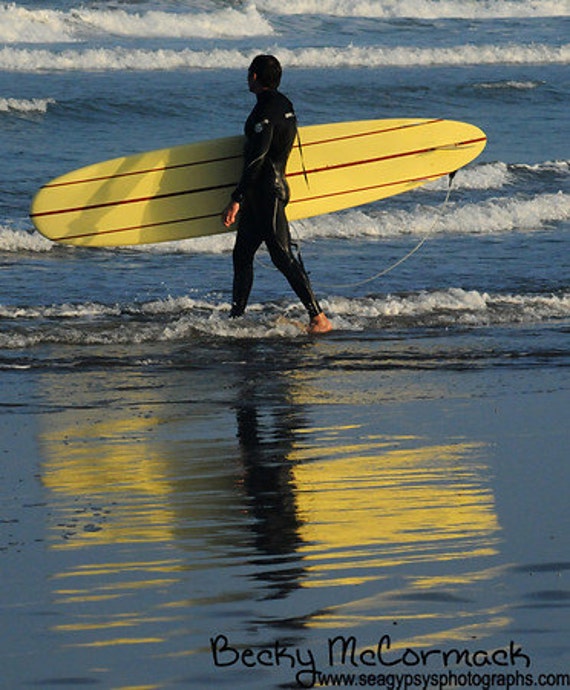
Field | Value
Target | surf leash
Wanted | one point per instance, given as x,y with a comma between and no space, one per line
400,261
302,159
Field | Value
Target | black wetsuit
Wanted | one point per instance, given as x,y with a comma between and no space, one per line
263,193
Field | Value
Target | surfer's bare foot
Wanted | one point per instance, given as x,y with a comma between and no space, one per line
319,324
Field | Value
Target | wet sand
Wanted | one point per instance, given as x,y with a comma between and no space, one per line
259,494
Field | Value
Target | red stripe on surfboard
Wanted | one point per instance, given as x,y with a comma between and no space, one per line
137,200
371,132
392,156
369,161
424,178
162,168
68,238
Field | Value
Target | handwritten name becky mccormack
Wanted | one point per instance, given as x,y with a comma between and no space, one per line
345,651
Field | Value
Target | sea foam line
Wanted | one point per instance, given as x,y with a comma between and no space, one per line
13,241
177,318
25,106
115,59
420,9
491,217
226,23
459,306
21,25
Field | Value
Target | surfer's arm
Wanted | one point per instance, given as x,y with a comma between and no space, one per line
256,150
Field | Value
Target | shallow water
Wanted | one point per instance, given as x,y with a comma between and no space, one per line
279,495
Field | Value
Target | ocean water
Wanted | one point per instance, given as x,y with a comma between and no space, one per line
174,482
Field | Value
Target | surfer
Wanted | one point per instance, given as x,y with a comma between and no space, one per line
263,193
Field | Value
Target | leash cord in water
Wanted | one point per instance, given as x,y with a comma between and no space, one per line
400,261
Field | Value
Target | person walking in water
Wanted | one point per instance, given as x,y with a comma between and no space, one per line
262,194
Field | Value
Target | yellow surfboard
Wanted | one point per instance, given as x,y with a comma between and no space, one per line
180,192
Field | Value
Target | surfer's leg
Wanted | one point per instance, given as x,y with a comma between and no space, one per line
244,251
279,245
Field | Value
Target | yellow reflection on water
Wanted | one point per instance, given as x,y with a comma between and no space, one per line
108,459
361,506
412,521
370,506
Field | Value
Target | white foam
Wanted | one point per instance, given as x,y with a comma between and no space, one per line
420,9
494,216
12,240
226,23
117,59
557,167
468,54
177,319
59,311
509,84
454,306
120,58
21,25
483,176
511,214
25,106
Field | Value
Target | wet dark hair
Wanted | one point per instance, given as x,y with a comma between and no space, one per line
268,70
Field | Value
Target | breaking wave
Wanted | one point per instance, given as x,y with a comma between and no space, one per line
176,319
121,58
420,9
21,25
25,106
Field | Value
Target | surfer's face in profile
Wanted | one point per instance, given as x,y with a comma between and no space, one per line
253,82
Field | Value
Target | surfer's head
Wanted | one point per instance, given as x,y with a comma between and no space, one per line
266,70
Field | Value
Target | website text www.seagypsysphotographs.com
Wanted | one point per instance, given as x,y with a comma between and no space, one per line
344,662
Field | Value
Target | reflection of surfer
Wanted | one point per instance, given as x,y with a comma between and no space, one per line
263,193
266,425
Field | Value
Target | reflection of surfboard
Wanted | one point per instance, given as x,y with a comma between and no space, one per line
180,192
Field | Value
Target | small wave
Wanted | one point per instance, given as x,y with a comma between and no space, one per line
483,176
499,174
556,167
494,216
454,306
177,319
89,310
20,25
118,59
509,84
113,59
12,240
25,106
58,311
469,54
172,319
226,23
420,9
